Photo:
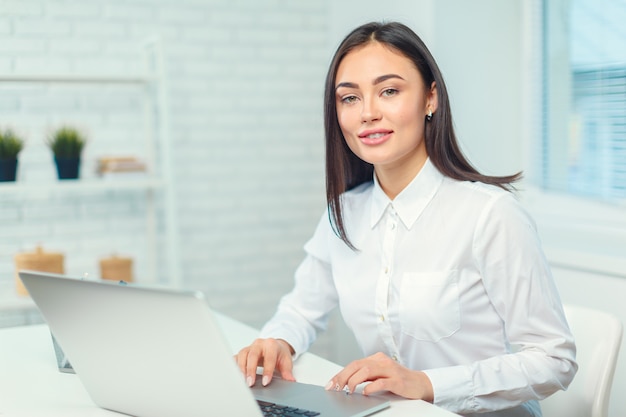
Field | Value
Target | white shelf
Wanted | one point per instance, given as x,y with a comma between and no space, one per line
156,113
81,185
78,78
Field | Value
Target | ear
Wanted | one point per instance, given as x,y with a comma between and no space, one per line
431,98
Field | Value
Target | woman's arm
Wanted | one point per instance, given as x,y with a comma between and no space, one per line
519,284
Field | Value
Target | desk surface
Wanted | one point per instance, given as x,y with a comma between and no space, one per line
31,385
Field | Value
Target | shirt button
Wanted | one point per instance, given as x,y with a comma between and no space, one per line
392,226
382,317
395,358
386,270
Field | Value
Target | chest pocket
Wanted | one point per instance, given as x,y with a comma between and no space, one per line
429,305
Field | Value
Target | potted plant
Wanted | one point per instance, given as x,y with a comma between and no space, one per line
10,147
67,144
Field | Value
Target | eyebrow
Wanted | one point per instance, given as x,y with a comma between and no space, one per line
377,80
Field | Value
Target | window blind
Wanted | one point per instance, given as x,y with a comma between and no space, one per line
583,148
598,130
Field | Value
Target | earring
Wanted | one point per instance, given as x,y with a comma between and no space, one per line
429,116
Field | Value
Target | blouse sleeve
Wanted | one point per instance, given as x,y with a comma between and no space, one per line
518,281
304,311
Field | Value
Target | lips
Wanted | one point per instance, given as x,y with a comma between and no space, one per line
375,136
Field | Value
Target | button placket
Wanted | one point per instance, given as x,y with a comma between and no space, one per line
382,291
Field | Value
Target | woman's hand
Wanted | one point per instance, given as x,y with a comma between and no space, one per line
384,374
271,354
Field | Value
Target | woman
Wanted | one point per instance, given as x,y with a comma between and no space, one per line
436,268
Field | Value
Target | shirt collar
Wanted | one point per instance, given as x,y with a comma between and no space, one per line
412,201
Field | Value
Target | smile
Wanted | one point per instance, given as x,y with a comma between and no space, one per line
375,137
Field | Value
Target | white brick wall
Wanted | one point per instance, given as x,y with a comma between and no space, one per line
245,87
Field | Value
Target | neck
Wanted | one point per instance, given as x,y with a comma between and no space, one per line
393,180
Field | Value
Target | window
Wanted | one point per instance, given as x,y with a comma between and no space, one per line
575,108
584,105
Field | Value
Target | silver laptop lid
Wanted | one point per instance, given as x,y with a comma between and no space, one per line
159,352
143,351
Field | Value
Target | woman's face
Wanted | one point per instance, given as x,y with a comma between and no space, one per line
381,108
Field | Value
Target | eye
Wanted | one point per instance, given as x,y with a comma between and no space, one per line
389,92
349,99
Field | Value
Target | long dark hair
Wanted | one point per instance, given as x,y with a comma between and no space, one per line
344,170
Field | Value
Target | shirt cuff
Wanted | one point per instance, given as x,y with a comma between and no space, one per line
452,388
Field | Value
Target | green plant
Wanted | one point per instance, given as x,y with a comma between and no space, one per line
66,142
10,144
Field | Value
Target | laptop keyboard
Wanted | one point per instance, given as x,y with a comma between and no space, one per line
277,410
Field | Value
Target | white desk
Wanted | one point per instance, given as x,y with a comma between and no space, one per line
31,385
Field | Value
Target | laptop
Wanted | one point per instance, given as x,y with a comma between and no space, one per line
159,352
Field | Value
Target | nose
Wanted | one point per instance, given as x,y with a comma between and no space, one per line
370,111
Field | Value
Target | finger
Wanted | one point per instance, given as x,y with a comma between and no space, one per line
285,360
285,366
269,363
252,361
364,374
362,370
338,381
380,384
333,384
242,358
280,360
287,372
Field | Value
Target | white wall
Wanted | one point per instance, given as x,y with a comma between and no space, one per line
346,15
478,47
246,82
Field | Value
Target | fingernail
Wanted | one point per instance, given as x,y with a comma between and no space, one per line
249,381
329,385
266,380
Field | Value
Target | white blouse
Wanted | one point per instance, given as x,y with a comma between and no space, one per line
449,278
